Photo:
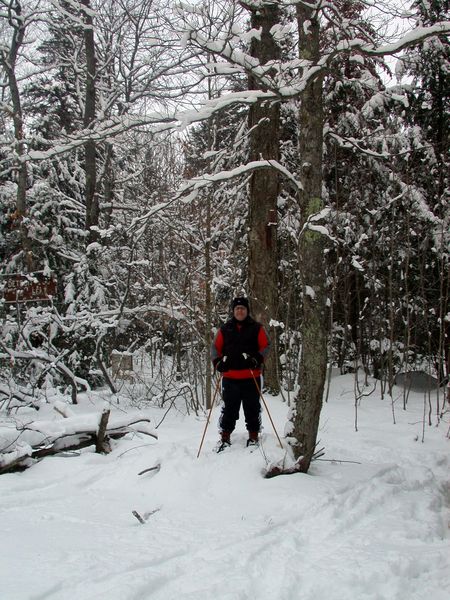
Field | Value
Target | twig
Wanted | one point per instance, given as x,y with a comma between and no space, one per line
355,462
144,519
138,516
134,448
155,468
165,414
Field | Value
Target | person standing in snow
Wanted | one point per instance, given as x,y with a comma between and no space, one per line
238,351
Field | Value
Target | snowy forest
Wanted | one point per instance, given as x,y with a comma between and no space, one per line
159,157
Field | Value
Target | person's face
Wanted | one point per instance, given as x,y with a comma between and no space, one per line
240,313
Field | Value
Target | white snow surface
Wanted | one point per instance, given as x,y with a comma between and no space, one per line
370,521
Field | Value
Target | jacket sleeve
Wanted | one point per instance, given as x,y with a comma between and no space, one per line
217,346
263,342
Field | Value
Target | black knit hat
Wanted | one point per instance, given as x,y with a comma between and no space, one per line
241,301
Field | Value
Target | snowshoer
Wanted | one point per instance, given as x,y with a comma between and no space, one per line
238,351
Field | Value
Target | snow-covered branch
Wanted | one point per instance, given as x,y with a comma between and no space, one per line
190,190
54,361
411,38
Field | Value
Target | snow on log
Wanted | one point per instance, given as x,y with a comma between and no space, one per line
273,469
16,460
46,438
118,426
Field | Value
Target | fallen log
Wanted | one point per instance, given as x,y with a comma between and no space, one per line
17,460
49,438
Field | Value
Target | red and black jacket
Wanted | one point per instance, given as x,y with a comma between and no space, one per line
236,340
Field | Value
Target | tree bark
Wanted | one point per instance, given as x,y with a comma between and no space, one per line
8,61
90,150
308,404
208,305
101,444
264,121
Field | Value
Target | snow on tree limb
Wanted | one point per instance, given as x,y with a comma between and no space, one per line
190,190
411,38
290,81
40,355
206,179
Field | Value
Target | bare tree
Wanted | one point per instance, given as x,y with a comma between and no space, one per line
90,150
313,361
17,23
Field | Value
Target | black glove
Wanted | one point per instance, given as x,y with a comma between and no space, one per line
253,361
220,364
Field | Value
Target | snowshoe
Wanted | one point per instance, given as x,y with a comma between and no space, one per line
222,445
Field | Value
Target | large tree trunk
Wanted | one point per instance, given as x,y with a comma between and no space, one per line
208,305
264,144
8,61
313,362
21,171
90,150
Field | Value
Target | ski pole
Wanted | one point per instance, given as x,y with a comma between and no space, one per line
209,415
265,406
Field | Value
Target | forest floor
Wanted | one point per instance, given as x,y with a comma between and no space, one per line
370,521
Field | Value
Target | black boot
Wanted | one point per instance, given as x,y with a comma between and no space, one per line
224,441
253,438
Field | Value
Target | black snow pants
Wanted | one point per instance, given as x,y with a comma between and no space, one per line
235,392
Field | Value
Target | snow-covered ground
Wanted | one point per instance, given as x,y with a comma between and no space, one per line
369,522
